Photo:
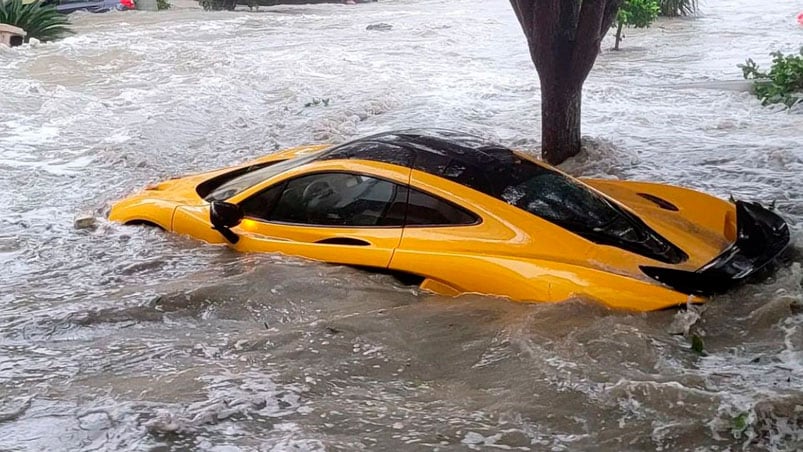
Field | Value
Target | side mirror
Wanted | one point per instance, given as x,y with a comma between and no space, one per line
225,215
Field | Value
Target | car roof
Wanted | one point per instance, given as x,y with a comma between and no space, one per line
460,157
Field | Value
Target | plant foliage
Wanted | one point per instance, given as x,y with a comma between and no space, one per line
676,8
636,14
783,84
697,345
42,22
163,4
739,424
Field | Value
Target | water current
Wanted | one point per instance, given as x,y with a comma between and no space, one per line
119,337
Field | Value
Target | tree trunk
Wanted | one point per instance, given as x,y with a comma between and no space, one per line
618,35
564,38
560,120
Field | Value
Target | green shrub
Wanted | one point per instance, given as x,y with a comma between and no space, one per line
783,84
41,22
675,8
163,4
635,13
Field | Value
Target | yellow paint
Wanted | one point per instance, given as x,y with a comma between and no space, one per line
510,253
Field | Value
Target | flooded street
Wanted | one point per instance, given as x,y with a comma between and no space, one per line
120,337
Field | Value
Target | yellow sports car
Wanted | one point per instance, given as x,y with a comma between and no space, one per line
459,214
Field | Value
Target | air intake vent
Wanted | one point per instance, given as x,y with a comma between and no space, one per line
662,203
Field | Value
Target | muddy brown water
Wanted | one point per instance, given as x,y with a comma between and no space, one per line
128,338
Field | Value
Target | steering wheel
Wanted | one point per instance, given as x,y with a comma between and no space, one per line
316,191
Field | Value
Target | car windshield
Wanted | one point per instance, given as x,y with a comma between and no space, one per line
243,181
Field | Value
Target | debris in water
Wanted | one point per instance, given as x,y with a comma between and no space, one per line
16,412
684,320
473,438
84,221
315,101
381,26
739,425
165,422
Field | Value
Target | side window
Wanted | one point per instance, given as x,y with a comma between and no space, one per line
427,210
260,204
336,199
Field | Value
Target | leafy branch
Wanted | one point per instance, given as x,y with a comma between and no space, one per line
783,84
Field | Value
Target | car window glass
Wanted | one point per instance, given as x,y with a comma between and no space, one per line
337,199
394,215
425,209
260,204
558,199
242,182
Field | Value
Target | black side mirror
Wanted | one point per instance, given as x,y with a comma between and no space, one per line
225,215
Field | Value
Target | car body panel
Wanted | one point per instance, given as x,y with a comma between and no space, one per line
374,247
531,280
143,208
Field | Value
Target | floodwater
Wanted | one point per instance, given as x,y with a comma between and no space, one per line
121,337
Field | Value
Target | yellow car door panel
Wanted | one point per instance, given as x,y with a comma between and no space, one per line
349,246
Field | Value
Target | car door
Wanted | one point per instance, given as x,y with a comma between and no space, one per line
334,216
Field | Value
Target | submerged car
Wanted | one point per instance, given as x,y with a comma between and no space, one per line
459,214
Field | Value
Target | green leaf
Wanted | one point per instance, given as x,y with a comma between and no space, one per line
739,424
697,345
782,84
637,13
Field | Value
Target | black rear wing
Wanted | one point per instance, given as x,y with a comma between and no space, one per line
761,235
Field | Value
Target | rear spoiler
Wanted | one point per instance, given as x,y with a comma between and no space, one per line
761,235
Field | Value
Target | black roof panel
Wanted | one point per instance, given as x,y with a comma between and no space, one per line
466,159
